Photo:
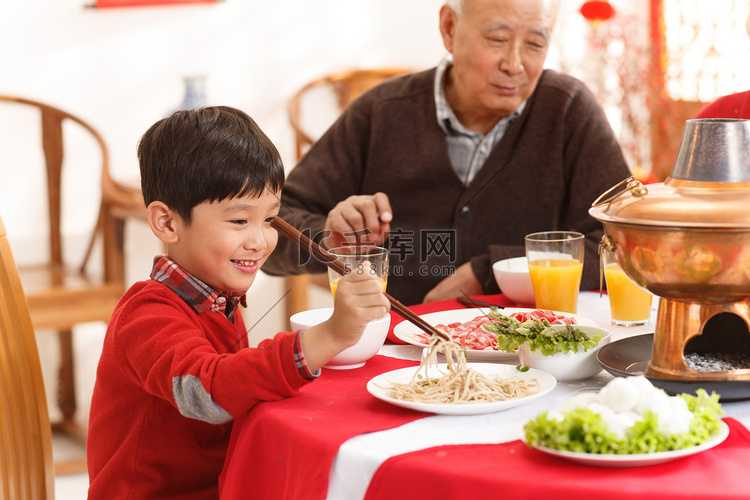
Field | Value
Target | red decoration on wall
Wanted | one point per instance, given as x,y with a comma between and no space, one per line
597,10
103,4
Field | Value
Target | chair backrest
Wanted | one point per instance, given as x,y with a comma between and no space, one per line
26,467
346,86
53,144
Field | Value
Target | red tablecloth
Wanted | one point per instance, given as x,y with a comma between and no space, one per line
512,470
285,450
337,403
288,446
444,305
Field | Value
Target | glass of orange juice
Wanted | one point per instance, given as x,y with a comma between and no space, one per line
629,304
555,265
360,259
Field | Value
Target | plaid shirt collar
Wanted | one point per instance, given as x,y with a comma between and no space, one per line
447,119
193,291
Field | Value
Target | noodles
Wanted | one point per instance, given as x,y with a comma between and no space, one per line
460,384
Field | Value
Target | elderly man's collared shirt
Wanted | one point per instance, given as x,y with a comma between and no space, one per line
467,149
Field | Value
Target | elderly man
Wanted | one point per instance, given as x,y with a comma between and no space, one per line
451,167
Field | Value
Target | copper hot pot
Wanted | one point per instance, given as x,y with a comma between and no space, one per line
687,241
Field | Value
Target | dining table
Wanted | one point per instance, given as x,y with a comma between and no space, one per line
336,441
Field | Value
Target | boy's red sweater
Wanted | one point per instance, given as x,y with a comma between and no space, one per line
160,362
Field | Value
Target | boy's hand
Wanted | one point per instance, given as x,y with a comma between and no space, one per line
359,300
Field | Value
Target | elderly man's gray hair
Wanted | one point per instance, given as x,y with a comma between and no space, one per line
458,8
456,5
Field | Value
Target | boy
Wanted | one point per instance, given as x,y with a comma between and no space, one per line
175,366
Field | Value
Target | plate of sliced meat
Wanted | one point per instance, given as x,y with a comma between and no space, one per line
466,328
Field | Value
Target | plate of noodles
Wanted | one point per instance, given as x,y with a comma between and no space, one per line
465,327
424,388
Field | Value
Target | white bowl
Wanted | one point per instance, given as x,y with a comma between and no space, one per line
352,357
514,280
567,366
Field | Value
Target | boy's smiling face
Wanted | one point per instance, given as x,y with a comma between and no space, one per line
227,241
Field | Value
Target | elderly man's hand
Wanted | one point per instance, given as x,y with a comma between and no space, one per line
364,218
463,282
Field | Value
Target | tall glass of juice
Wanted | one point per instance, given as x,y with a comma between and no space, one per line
360,259
555,265
629,304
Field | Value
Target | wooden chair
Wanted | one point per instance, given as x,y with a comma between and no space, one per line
343,87
62,294
26,469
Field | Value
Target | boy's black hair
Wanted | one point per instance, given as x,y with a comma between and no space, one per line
206,155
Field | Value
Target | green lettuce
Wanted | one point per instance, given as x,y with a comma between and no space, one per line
584,431
540,335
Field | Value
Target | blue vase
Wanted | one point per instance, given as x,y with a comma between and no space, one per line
195,95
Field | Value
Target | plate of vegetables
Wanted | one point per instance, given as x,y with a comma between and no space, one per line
467,328
629,423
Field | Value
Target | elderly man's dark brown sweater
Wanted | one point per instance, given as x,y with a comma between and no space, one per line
551,164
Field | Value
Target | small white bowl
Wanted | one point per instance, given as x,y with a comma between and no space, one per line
567,366
352,357
514,280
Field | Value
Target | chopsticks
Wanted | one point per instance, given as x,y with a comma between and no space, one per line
469,302
305,243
